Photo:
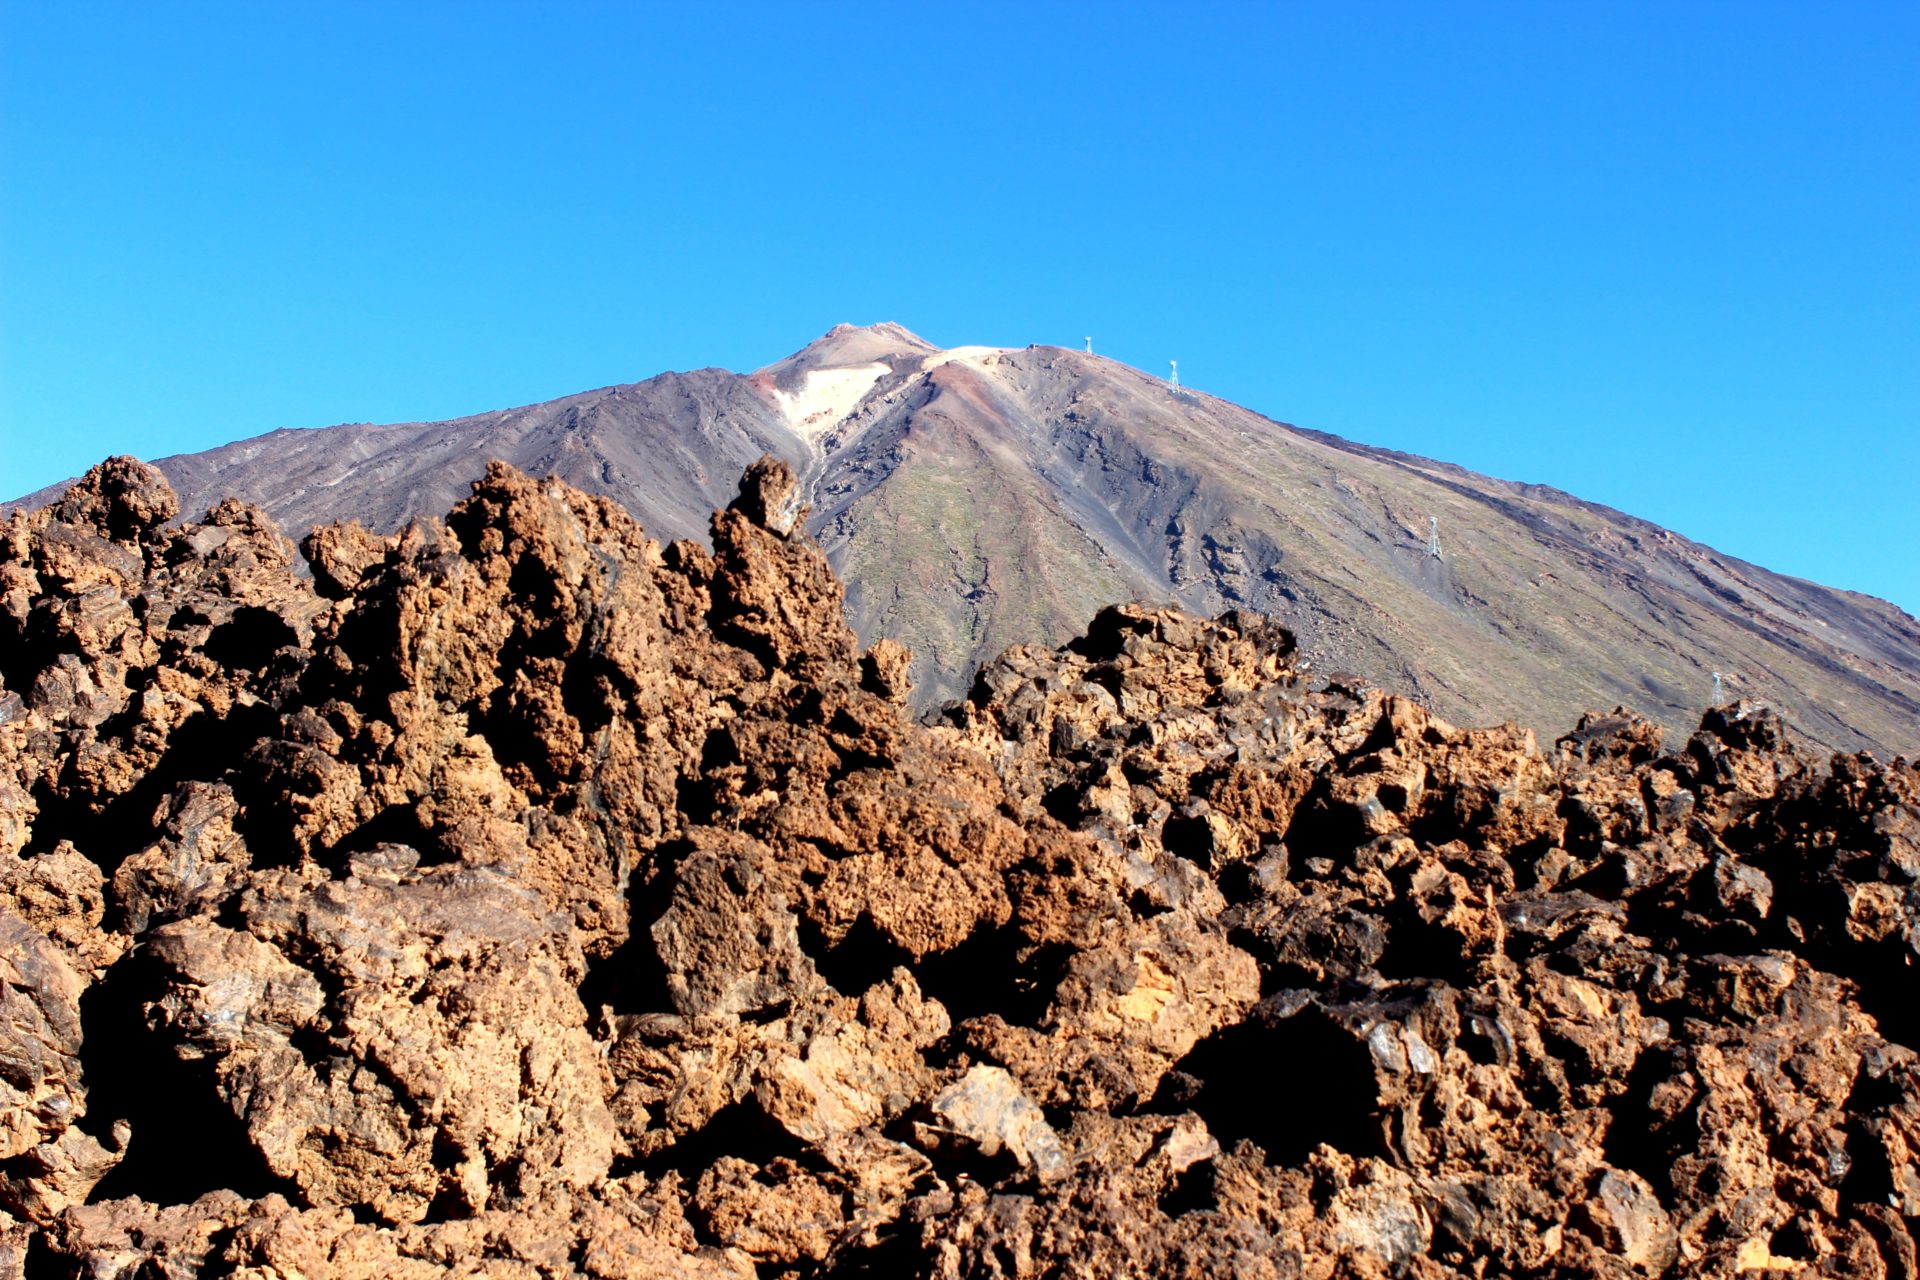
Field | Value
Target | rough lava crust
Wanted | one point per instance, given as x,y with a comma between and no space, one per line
515,896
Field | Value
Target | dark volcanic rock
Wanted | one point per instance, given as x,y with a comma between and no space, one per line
515,896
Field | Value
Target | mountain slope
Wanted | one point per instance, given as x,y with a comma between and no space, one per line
979,497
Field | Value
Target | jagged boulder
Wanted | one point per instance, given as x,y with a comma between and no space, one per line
517,896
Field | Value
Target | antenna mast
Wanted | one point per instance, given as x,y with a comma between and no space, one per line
1089,345
1433,536
1173,379
1716,688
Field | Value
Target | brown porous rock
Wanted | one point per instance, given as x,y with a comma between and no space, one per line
515,896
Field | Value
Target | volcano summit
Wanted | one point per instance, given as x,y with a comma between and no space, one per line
980,497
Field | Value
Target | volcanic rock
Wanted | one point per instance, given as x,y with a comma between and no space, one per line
514,895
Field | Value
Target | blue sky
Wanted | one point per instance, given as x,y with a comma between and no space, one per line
1666,257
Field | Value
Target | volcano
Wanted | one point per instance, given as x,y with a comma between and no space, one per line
978,497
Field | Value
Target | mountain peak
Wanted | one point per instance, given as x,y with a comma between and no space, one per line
816,387
887,330
1004,500
846,345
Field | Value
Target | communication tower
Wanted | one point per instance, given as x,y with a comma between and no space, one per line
1716,689
1089,345
1433,536
1173,379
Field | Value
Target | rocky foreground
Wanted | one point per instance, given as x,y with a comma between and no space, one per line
514,896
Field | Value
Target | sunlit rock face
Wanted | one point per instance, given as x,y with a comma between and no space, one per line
513,895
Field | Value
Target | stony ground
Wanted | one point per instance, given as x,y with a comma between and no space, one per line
517,897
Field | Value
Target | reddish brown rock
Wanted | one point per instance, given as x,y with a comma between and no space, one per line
519,897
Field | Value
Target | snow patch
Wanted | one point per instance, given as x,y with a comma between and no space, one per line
826,397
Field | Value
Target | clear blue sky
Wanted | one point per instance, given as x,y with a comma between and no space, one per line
1666,257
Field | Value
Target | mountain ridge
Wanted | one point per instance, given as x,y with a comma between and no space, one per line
978,497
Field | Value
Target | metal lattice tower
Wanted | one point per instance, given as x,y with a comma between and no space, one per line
1716,689
1173,379
1433,536
1089,344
